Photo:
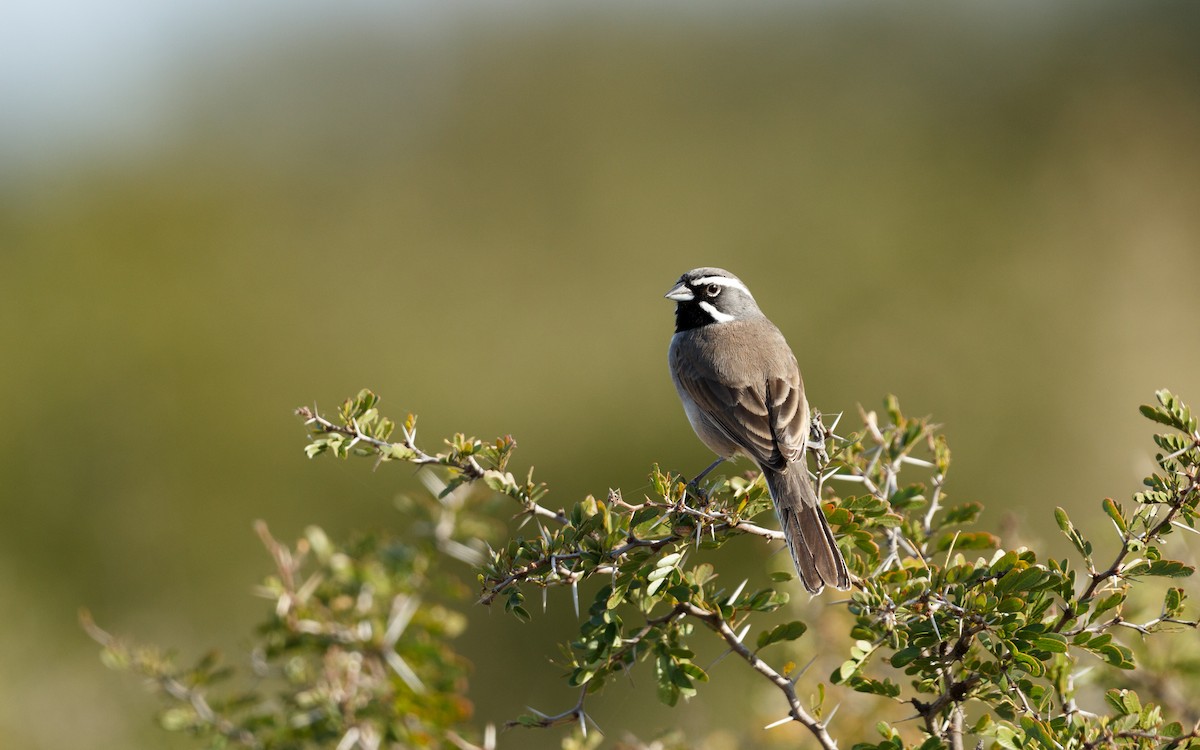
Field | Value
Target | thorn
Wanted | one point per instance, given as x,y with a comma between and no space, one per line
544,592
433,483
742,634
657,523
403,609
1178,453
950,550
847,477
592,721
829,718
575,595
916,461
350,739
406,672
800,672
582,723
779,723
836,420
738,591
717,660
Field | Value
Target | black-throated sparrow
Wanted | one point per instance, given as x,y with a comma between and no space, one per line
742,392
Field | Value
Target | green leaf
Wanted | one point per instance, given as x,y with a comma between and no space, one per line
1169,569
667,561
1150,412
1115,654
1028,664
498,481
1052,642
642,515
1011,604
1068,529
963,514
904,656
907,497
1173,412
1115,699
1106,604
968,540
1173,602
521,613
1131,702
788,631
1039,732
658,573
1020,580
1114,512
693,671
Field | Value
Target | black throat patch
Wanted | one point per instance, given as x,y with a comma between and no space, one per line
689,315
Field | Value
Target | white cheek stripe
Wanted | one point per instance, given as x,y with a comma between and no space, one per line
716,314
723,281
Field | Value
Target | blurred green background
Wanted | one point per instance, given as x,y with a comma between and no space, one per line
211,213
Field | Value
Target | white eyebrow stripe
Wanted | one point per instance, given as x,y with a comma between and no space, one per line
723,281
716,314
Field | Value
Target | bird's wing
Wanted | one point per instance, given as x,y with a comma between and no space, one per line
768,419
788,412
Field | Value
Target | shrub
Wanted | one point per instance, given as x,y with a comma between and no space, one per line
978,643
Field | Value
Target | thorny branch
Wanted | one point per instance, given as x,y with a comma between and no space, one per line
467,466
796,711
714,521
173,687
1100,578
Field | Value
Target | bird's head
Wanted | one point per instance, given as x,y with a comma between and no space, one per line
704,296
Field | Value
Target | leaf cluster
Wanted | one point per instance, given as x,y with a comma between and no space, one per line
351,650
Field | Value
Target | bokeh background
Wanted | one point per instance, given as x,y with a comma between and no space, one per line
213,212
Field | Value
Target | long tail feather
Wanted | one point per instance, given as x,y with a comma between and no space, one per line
808,536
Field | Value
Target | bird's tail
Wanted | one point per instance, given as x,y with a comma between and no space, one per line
808,536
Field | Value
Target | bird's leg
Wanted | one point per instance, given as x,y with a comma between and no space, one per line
818,433
693,486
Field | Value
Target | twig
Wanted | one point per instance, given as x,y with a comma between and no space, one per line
468,467
1114,570
174,688
574,714
797,713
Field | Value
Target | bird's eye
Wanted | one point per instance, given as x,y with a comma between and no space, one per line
712,290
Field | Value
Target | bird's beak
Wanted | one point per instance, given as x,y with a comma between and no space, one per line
680,293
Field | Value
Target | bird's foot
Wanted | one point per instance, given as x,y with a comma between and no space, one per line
696,491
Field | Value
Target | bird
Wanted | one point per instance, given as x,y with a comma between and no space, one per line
741,390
